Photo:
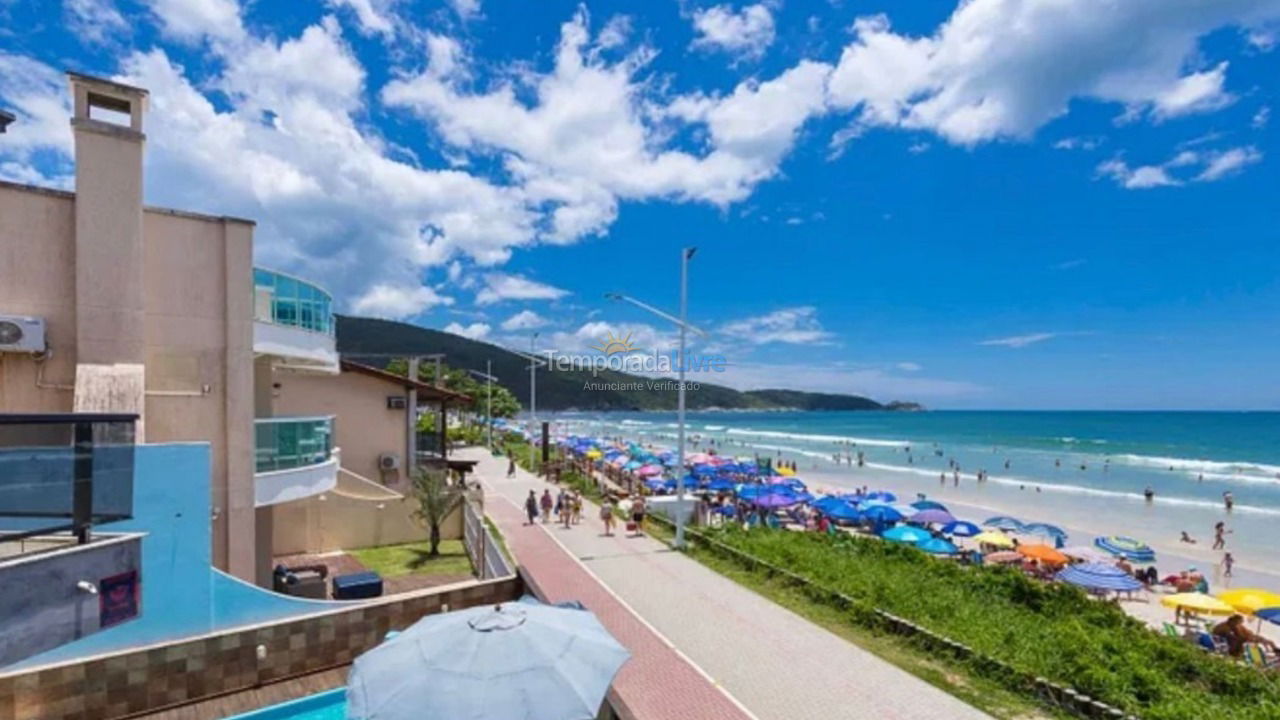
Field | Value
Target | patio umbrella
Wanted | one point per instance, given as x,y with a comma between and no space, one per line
929,505
1044,529
1088,554
997,539
938,546
775,500
1003,522
906,534
648,470
1004,557
720,484
844,512
1249,600
960,528
1197,603
926,517
828,501
881,513
525,660
1042,553
884,495
1099,576
1126,547
1271,614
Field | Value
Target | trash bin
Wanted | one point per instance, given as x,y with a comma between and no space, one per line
357,586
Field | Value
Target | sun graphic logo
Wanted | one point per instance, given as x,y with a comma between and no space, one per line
613,345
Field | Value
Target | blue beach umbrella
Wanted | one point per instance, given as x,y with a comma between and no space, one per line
844,512
774,500
1044,529
1099,576
525,660
1003,522
884,495
1126,547
906,534
961,528
938,546
1271,614
929,505
827,502
932,516
882,513
720,484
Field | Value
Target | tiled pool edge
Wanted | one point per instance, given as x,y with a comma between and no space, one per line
156,677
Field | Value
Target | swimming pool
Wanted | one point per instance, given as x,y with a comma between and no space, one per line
330,705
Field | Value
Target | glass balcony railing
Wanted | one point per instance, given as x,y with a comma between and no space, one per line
288,443
285,300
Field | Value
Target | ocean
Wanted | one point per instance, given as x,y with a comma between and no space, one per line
1088,469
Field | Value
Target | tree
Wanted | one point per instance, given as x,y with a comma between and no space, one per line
437,498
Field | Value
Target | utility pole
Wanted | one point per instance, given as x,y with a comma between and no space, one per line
411,415
533,399
488,370
685,255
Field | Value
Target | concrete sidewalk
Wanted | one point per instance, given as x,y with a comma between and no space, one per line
776,664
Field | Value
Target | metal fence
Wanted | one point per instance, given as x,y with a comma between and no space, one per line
485,552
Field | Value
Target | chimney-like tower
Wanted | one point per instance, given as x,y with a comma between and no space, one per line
110,317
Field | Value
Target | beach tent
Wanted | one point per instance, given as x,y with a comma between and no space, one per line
997,539
1126,547
1198,603
938,546
932,516
906,534
1250,600
961,528
1099,576
1003,522
1042,553
521,659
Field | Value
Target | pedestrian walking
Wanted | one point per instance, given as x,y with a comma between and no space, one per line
531,507
546,503
607,517
511,465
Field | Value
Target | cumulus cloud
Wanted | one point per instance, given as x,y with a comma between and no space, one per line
1020,341
1261,118
1230,162
1142,177
398,302
745,33
794,326
94,20
192,20
524,320
502,286
474,331
374,16
1193,164
975,79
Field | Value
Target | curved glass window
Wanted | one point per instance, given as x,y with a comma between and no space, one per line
286,300
287,443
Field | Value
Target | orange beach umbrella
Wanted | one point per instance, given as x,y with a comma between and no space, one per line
1043,553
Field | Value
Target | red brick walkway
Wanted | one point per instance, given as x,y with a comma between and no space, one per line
657,683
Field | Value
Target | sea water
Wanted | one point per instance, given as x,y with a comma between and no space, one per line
1088,469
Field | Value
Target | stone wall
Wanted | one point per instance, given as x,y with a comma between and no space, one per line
160,676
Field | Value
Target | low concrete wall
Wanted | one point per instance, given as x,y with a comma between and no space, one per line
41,605
166,675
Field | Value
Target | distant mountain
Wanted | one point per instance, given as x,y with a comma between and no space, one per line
378,340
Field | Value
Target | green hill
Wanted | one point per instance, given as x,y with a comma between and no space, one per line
380,339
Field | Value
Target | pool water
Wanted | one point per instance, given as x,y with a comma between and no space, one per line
331,705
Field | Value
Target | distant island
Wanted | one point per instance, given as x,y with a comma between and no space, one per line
576,390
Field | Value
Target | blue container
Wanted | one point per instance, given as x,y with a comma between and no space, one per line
357,586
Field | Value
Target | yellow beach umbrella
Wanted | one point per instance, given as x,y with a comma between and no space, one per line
1197,603
784,471
1249,600
997,539
594,453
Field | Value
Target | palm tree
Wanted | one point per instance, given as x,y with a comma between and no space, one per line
437,498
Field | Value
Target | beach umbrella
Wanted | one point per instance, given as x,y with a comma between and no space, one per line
1003,522
774,500
960,528
1199,603
1044,529
1099,576
522,659
1249,600
1271,614
906,534
697,458
1088,554
882,513
719,484
827,502
997,539
938,546
883,495
844,512
926,517
1042,553
1126,547
1003,557
928,505
648,470
594,453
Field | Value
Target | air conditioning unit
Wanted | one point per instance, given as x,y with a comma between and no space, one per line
21,334
397,402
388,461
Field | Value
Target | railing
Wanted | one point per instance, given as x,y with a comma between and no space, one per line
485,552
73,467
292,442
285,300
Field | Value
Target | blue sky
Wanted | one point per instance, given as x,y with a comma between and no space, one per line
1005,204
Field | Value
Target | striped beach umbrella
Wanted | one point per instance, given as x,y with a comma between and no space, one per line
1098,576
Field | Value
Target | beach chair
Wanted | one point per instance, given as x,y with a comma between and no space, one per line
1255,656
1172,631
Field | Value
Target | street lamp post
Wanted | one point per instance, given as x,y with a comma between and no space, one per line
488,381
682,322
533,399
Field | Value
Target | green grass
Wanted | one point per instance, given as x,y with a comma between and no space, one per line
502,541
414,559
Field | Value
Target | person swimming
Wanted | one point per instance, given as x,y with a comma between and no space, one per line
1148,493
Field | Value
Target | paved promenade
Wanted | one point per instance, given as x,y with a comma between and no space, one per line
766,661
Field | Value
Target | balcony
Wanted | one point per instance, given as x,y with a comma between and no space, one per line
293,321
294,459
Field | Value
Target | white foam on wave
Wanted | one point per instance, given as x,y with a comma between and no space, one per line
1232,468
811,437
635,422
713,428
789,449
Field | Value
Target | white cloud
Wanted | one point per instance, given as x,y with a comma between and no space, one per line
1070,264
1228,163
909,367
795,326
1078,143
1001,69
398,302
1261,118
502,286
745,33
374,16
37,95
94,20
1136,178
1020,341
466,9
1264,39
524,320
191,20
917,148
474,331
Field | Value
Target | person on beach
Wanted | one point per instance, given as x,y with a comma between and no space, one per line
511,465
637,516
1228,500
1219,535
942,479
547,504
1228,562
565,505
1187,538
1236,634
606,516
1148,493
577,507
531,507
